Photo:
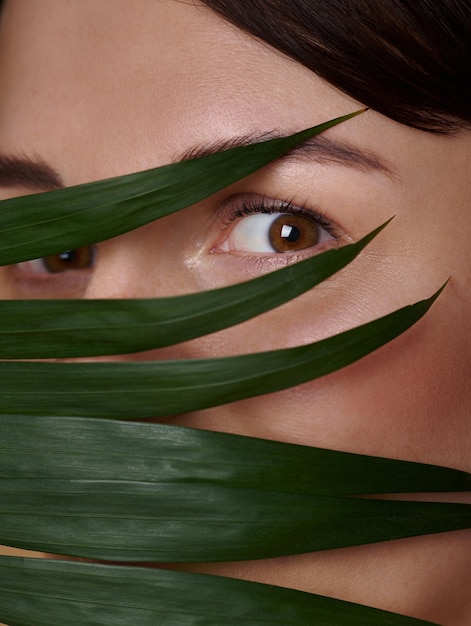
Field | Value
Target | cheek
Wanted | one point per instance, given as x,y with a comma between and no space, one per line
408,400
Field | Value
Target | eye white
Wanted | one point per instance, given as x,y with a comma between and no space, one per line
265,233
35,266
251,234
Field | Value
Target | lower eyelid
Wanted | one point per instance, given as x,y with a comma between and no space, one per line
265,264
269,262
45,286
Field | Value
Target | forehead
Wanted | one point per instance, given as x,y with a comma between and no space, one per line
143,81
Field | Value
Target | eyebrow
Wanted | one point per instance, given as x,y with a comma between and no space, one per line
29,173
319,149
36,174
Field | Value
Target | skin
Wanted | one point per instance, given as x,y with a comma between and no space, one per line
97,89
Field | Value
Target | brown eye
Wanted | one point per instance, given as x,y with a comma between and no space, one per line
70,260
289,233
268,233
78,259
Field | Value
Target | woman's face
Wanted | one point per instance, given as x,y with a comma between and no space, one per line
96,88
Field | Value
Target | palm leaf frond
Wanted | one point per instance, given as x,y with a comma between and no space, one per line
108,489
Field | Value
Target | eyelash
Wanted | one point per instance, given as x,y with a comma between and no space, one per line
243,207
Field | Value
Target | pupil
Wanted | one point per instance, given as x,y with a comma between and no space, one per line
68,257
290,233
79,259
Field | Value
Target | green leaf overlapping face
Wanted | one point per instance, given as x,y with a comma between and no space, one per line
74,328
162,388
190,495
87,449
54,593
125,490
64,219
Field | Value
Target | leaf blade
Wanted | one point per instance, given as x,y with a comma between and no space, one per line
73,328
158,522
64,219
149,390
87,449
54,593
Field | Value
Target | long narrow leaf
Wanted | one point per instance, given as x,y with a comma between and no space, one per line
91,449
57,593
143,390
142,521
49,223
73,328
174,516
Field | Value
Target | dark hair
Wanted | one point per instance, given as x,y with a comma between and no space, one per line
408,59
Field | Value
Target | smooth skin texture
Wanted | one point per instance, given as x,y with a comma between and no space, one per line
98,88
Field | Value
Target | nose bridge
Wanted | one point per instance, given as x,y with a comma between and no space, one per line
113,277
149,262
122,268
126,269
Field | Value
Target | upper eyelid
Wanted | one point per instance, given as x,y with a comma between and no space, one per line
246,204
238,206
268,205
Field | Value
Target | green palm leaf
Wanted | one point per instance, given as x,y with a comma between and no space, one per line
189,495
55,593
73,328
152,389
97,449
149,521
49,223
79,486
